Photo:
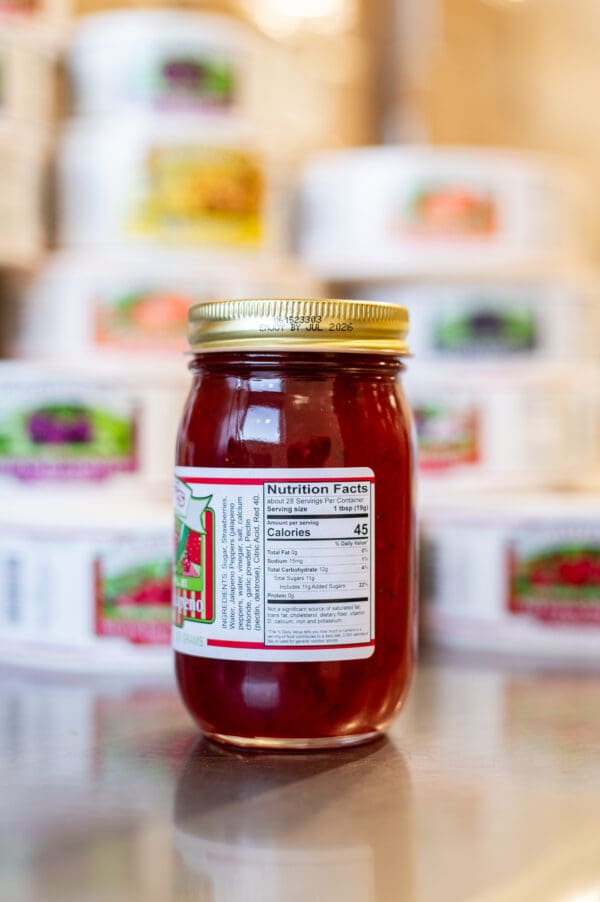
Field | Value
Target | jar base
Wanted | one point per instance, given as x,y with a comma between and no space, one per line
292,744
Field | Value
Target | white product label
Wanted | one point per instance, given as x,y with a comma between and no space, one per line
274,564
506,580
73,588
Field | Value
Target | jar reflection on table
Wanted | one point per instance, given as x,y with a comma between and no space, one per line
299,827
41,714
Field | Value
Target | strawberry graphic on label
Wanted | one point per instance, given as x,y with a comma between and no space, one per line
190,559
559,582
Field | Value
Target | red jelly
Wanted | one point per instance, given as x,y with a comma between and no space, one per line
294,587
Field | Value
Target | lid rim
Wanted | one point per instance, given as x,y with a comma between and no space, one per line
285,348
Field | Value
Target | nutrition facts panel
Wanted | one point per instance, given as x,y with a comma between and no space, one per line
275,564
318,547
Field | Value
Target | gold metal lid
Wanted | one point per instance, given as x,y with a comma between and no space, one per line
298,324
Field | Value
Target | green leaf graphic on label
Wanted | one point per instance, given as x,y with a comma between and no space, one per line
65,429
197,80
486,330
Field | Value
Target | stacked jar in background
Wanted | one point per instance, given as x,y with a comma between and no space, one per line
483,247
166,195
27,109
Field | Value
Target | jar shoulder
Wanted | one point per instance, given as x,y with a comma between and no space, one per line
278,420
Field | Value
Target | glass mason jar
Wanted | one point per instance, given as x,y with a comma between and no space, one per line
294,583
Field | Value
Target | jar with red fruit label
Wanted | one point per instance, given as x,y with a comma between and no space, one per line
294,578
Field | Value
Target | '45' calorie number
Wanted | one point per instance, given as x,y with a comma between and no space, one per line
361,530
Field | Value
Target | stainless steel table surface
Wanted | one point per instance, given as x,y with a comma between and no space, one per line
487,789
